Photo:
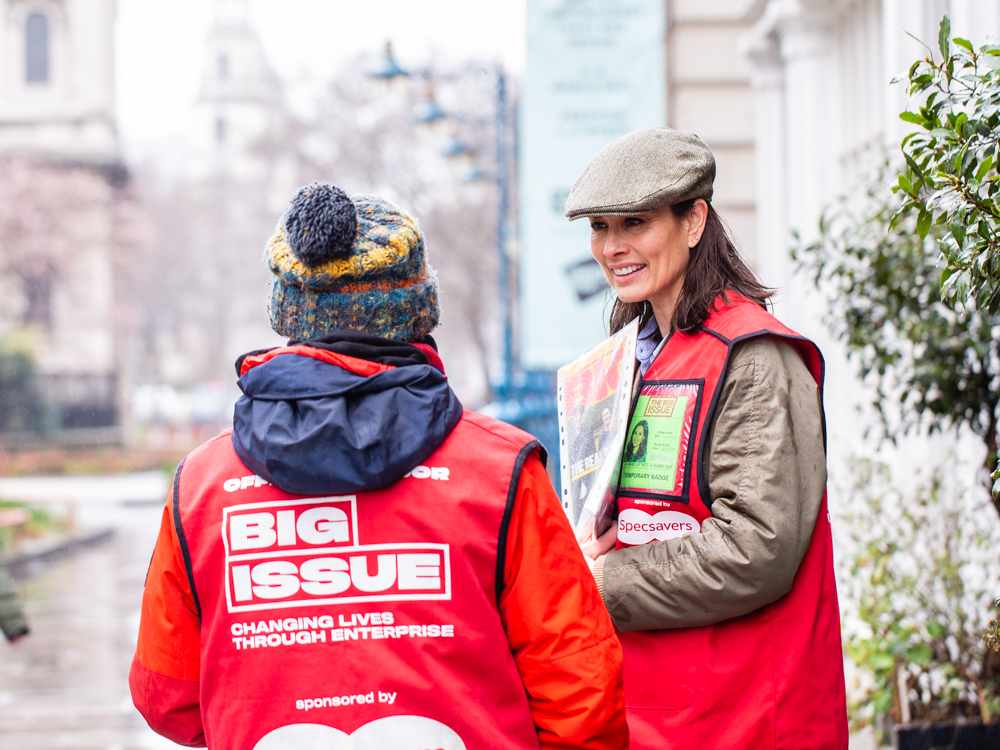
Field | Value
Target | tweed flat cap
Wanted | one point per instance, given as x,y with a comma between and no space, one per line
643,171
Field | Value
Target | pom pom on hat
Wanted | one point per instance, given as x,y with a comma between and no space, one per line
320,224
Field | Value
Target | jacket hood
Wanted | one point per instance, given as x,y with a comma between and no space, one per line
314,419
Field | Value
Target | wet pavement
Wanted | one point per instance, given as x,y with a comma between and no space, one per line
66,684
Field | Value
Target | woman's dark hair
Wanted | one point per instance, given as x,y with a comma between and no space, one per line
636,455
715,268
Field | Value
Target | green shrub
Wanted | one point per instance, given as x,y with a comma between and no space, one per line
915,594
22,408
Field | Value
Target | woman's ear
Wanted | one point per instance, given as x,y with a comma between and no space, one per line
695,220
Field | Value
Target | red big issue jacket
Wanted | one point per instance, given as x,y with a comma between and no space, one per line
773,678
445,611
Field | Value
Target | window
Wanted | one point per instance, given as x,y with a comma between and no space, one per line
223,65
36,49
38,293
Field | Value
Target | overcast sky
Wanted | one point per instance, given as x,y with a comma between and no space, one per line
160,46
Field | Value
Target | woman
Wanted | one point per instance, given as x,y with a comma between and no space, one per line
718,573
635,451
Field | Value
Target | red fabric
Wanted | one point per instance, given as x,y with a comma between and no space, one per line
432,355
773,678
557,650
353,364
168,629
559,630
164,673
169,706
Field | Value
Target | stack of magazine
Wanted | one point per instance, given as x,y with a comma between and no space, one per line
594,398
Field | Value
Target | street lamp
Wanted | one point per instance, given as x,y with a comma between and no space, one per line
455,148
518,397
387,69
428,111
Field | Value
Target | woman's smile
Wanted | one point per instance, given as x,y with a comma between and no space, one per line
626,271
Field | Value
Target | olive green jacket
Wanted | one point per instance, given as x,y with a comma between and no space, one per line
766,470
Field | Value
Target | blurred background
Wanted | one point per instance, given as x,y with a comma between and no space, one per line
148,147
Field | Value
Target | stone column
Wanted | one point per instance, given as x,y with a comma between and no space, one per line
797,141
811,136
768,82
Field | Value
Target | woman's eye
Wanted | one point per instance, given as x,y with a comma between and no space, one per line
597,226
633,221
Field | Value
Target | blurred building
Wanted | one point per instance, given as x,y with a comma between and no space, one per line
239,102
238,182
825,116
710,92
57,124
211,301
57,67
825,112
793,97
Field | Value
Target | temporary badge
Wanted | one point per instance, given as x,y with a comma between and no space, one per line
656,459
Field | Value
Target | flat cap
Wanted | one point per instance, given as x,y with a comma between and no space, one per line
643,171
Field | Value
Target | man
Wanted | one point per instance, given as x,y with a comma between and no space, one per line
360,562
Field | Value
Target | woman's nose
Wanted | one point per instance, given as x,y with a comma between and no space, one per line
613,244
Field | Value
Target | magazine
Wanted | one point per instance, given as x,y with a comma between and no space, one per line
593,396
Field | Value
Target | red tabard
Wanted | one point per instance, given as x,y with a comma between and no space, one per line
373,615
773,678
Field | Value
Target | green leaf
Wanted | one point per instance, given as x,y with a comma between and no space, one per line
920,654
881,662
924,222
958,232
964,43
913,117
915,168
985,167
882,701
935,629
944,33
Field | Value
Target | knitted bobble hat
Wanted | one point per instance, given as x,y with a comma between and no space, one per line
342,262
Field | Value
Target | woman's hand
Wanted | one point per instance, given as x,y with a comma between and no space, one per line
594,548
